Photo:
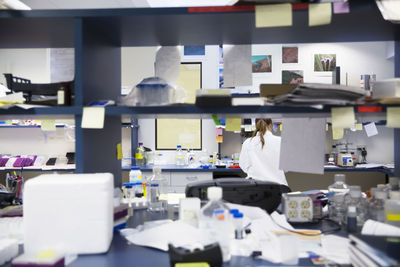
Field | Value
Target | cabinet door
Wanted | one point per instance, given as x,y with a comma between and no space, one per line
179,180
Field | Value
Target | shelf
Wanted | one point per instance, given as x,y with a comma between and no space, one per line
42,111
202,112
63,168
177,26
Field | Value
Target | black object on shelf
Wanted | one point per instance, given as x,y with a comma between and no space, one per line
266,195
211,254
51,94
51,162
71,157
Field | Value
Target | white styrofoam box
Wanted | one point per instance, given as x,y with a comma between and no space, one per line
70,213
8,249
387,88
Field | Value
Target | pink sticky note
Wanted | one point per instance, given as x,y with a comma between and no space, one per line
341,7
219,131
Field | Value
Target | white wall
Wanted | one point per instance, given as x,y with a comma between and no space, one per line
353,58
32,64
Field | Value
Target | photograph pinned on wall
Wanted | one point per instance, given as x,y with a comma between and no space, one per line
290,54
261,63
292,76
324,62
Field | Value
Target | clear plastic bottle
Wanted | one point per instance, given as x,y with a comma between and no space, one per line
393,184
157,185
392,209
339,186
352,221
354,198
179,156
213,218
139,155
377,208
337,208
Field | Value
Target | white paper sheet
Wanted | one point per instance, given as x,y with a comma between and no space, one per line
372,227
371,129
167,65
237,65
336,248
178,233
303,145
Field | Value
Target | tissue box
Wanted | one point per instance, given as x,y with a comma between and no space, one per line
70,213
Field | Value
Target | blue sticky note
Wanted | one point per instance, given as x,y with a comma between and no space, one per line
199,50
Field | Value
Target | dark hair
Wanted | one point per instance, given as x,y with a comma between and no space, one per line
261,127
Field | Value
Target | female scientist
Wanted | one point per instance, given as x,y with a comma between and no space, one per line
260,154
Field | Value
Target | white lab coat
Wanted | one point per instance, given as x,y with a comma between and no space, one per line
262,163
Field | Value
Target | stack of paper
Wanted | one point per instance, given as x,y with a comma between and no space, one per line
316,93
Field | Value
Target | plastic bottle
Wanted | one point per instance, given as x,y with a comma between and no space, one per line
337,208
209,222
156,186
392,209
135,175
238,225
139,155
377,209
339,186
354,198
222,232
191,157
179,156
352,219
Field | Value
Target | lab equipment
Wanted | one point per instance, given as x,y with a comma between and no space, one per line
345,160
339,186
139,155
238,225
87,197
222,229
266,195
156,186
394,183
297,207
179,156
337,208
210,254
392,209
377,208
354,198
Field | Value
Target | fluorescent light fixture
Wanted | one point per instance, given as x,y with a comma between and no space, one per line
390,9
14,4
190,3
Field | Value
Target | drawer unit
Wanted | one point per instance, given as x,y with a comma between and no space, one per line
183,178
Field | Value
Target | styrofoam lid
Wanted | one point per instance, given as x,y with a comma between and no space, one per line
395,195
214,193
380,194
340,178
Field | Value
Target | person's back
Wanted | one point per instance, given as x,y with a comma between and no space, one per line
260,154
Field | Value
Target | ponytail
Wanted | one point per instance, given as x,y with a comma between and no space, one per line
261,127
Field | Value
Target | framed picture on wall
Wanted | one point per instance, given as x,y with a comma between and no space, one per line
290,54
324,62
261,63
292,76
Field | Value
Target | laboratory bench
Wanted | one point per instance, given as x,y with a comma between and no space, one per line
121,253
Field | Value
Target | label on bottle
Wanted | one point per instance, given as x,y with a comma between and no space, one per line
393,217
60,97
138,156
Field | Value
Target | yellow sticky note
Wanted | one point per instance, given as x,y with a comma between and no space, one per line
192,264
119,151
280,127
319,14
343,117
359,126
233,124
273,15
46,254
337,133
220,139
326,127
48,125
93,117
393,117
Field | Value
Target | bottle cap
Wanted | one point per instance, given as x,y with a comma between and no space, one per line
380,194
214,193
238,215
395,195
178,146
233,211
340,178
394,181
218,211
135,168
140,144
